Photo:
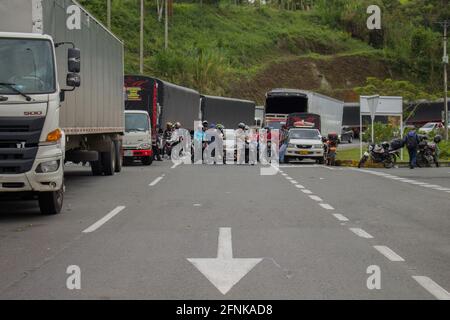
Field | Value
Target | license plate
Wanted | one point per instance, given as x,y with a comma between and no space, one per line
303,152
128,153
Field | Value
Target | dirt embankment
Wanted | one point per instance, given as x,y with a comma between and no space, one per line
335,76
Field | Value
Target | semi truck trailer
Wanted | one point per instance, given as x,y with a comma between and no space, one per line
282,102
227,111
61,97
164,101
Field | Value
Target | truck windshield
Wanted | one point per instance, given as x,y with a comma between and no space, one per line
136,122
304,134
27,66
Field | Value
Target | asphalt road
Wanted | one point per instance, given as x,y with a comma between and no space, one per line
215,232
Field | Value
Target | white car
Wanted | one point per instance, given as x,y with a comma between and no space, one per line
431,126
304,143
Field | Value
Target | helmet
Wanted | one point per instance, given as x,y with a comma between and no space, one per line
177,125
437,138
324,139
241,125
205,123
219,126
247,128
169,124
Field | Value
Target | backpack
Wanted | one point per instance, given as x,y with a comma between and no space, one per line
411,140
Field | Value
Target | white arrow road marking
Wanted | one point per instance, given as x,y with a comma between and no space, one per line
224,271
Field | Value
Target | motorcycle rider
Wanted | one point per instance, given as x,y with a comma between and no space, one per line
411,142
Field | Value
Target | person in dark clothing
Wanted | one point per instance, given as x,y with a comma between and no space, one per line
411,143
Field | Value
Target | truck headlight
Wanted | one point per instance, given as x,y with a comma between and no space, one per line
145,146
48,166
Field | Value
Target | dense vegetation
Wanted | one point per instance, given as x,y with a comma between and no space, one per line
217,43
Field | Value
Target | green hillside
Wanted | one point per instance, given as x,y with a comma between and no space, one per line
243,50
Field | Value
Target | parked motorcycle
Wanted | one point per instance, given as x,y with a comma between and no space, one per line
384,153
427,153
330,144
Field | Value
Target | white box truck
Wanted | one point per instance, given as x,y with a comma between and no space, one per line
61,97
282,102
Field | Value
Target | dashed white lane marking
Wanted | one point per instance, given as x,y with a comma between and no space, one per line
326,206
103,220
154,182
388,253
294,182
432,287
300,186
197,205
306,191
289,178
175,165
340,217
316,198
361,233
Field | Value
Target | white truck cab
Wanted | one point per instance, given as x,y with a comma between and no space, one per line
31,142
137,141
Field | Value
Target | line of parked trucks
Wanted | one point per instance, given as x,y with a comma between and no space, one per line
63,97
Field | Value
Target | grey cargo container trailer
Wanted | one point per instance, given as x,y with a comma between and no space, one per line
178,104
69,68
227,111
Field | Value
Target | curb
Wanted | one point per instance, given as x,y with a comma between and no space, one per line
369,164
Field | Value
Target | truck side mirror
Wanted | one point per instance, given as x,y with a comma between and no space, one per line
73,80
73,60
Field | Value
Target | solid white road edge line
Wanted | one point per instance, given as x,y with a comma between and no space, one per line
388,253
361,233
154,182
103,220
432,287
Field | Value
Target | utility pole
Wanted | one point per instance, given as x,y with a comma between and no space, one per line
445,24
108,13
141,51
166,26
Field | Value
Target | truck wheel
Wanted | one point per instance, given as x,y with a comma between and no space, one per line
350,140
118,154
51,202
109,160
96,167
146,161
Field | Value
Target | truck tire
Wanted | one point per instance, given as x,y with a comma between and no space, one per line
96,167
51,202
117,148
109,160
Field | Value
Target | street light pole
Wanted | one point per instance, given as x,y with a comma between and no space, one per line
141,51
445,60
166,26
108,5
445,24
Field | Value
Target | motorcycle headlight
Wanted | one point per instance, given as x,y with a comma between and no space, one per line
48,166
145,146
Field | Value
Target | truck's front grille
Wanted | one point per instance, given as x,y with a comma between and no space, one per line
19,139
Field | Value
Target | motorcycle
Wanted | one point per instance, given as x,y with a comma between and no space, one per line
329,149
427,153
381,153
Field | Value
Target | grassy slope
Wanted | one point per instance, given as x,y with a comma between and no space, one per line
212,47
